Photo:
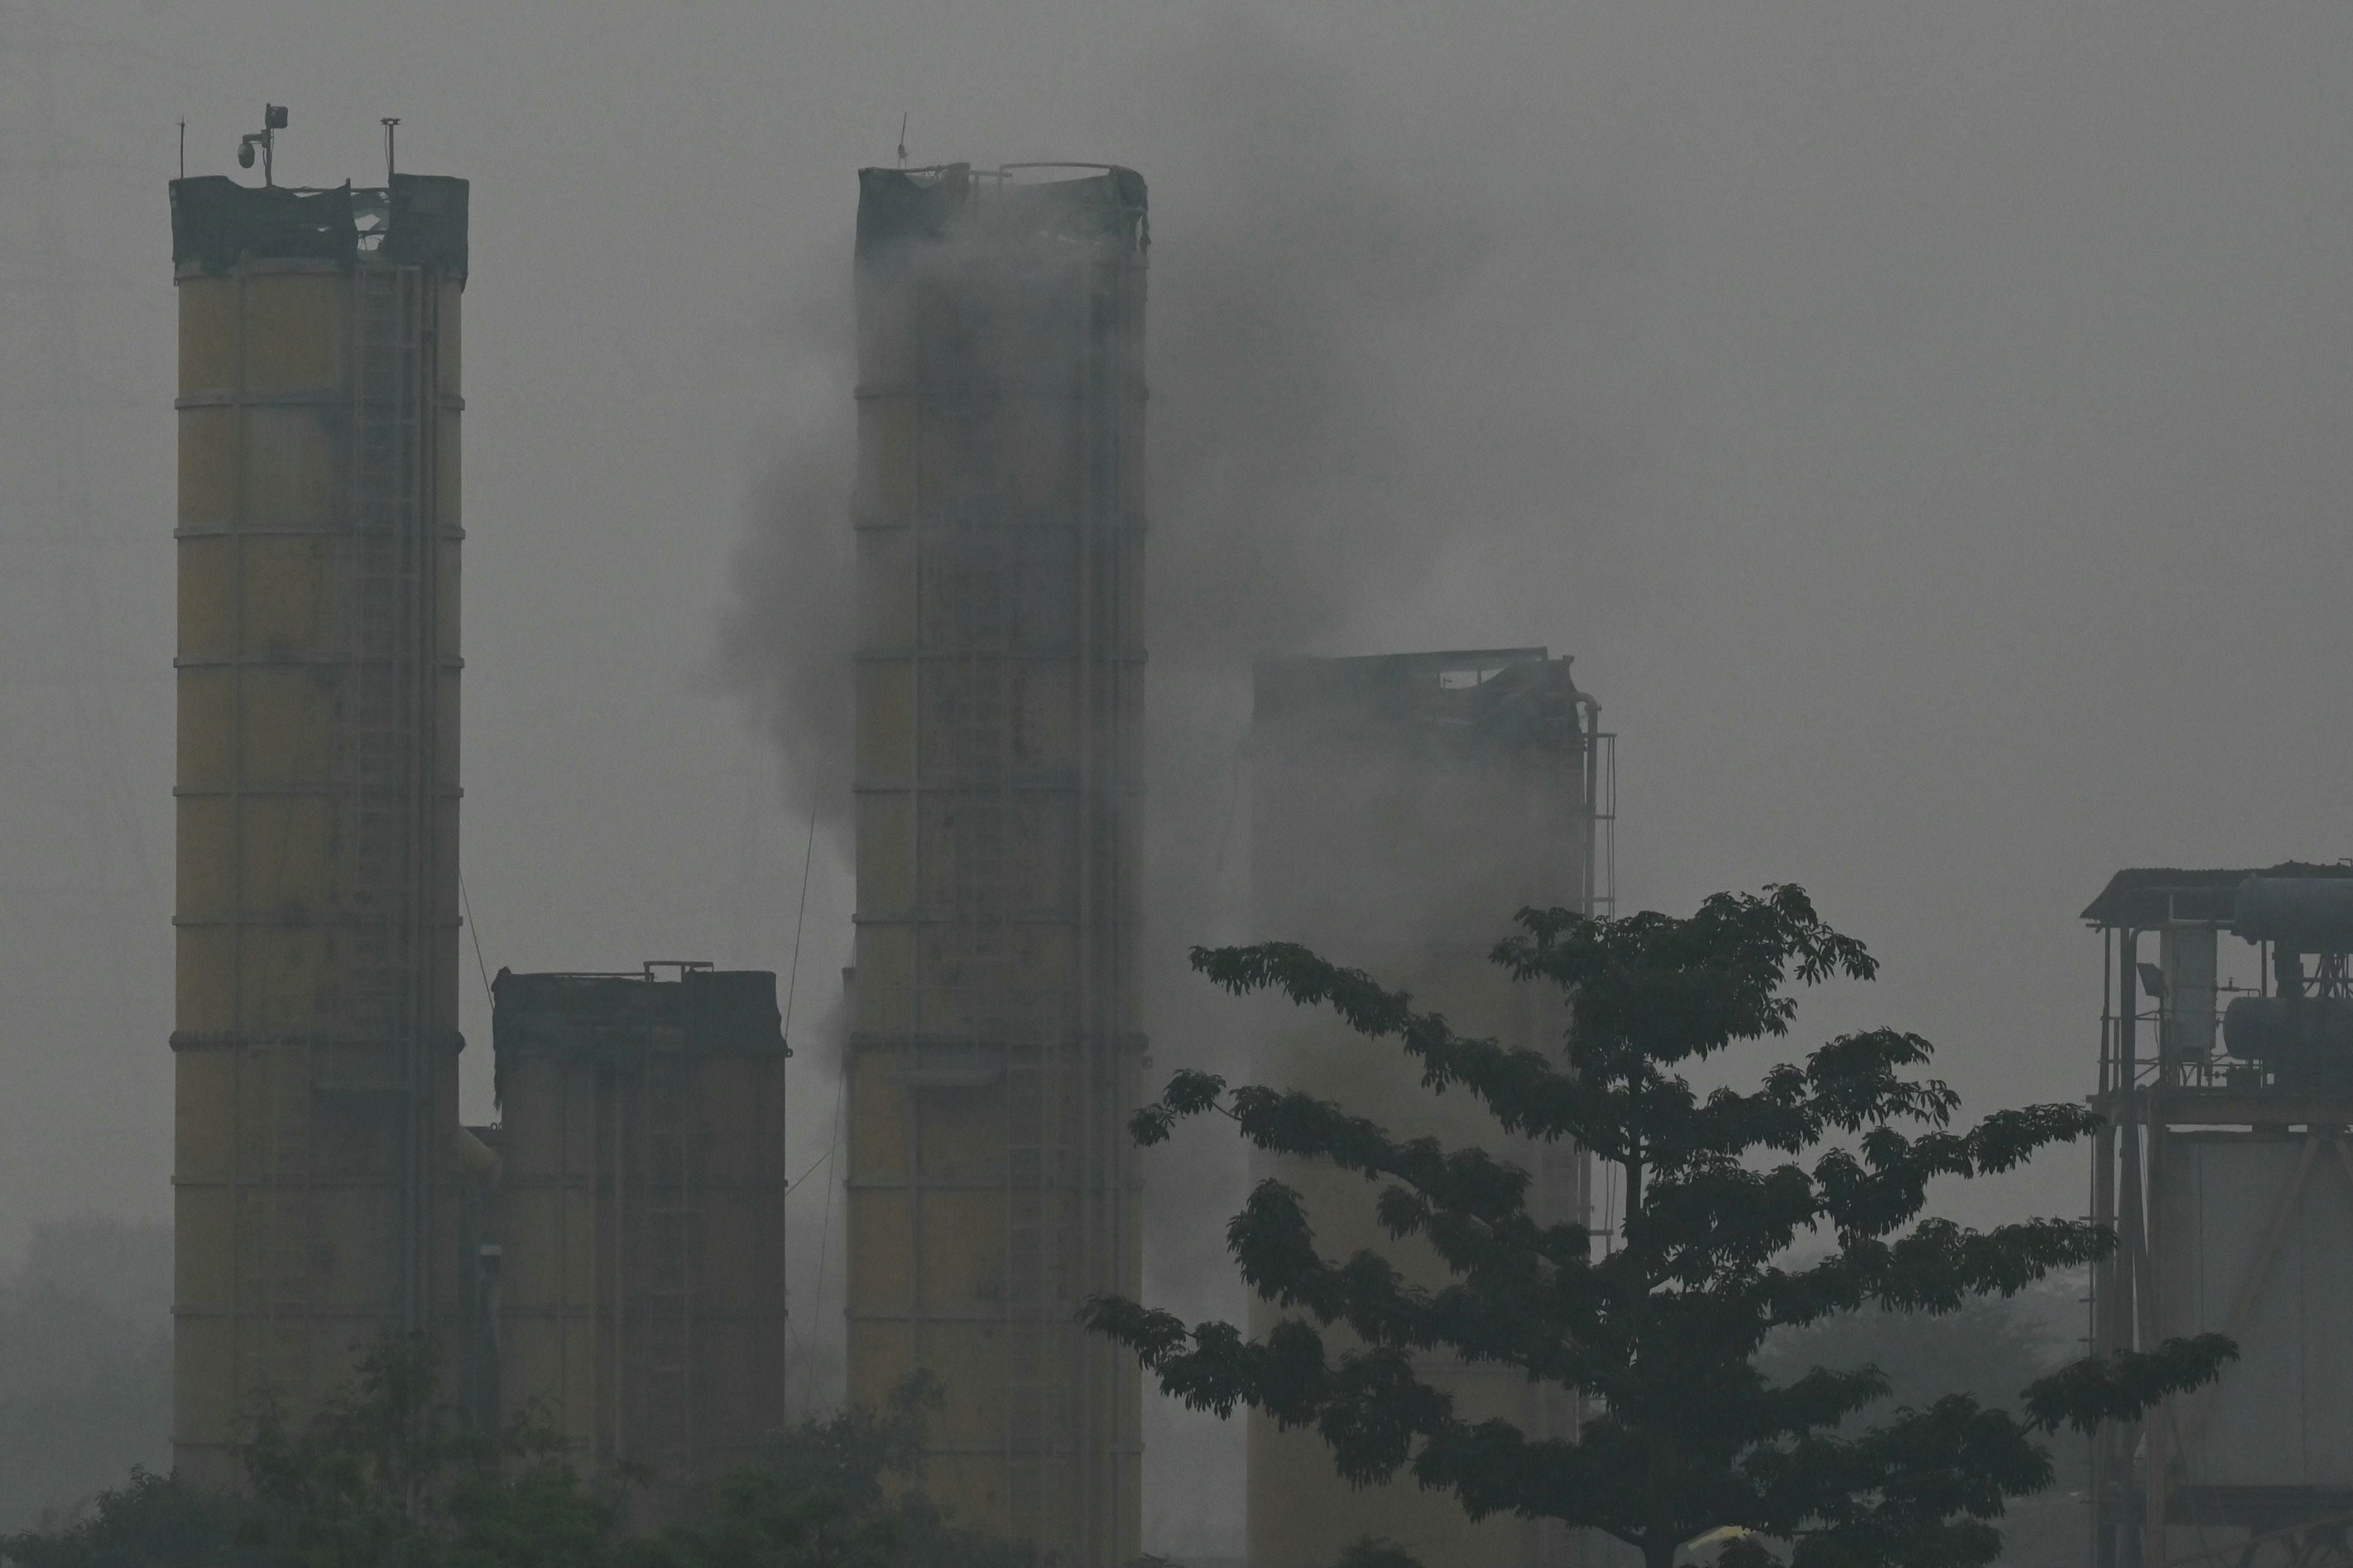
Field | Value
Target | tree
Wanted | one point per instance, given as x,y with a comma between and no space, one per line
389,1474
1660,1333
385,1474
1991,1347
827,1495
149,1521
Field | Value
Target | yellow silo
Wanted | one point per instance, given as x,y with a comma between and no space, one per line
996,1036
641,1217
315,1035
1402,807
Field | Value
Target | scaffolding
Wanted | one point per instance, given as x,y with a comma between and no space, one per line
995,1038
2225,1076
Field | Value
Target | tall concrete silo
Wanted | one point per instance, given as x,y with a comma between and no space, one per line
318,1147
640,1216
1402,807
995,1038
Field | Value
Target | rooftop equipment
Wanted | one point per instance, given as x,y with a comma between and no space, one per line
2226,1168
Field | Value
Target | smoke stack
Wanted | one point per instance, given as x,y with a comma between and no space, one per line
315,1034
1402,806
996,1036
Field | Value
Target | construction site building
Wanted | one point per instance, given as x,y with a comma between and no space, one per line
633,1264
2226,1078
317,1152
1403,807
996,1035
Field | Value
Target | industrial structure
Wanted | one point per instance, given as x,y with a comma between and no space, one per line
611,1252
996,1036
632,1269
2226,1077
1402,807
319,1162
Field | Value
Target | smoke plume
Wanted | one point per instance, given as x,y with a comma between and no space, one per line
1310,469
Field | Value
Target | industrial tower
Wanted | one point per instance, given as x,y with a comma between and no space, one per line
2226,1077
634,1257
996,1036
1402,807
318,1154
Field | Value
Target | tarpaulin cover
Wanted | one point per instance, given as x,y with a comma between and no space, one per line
899,206
1469,698
726,1011
216,222
428,222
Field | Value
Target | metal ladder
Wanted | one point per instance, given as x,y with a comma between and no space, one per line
985,899
278,1142
1030,1273
384,707
982,576
667,1238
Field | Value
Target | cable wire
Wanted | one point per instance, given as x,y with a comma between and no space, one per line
474,930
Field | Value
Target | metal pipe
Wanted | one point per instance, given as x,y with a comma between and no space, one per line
2130,1273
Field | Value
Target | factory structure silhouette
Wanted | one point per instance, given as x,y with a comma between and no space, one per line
613,1248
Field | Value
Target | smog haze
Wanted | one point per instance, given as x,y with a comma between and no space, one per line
1921,426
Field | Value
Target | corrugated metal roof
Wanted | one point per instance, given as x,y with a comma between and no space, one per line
2147,896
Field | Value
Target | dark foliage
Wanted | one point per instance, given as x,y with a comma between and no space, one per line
149,1521
1990,1348
1372,1551
1660,1332
2088,1393
832,1495
388,1474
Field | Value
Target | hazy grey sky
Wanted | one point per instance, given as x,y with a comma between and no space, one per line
1926,425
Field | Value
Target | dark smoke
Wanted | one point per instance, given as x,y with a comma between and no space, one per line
786,636
1312,455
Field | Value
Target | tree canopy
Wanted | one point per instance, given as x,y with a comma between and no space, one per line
830,1493
388,1473
1746,1211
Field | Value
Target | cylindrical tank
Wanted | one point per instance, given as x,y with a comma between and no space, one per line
2305,1038
996,1036
1403,806
640,1220
315,1034
2302,914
